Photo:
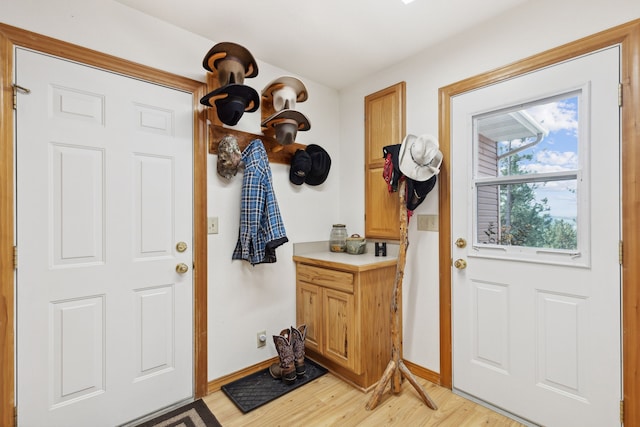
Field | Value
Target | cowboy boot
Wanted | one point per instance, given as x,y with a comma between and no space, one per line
285,369
297,342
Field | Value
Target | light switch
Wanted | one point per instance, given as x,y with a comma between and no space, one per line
212,225
428,222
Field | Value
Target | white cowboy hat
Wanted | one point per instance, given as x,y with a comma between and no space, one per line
285,91
419,157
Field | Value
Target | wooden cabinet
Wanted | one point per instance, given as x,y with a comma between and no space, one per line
347,312
384,125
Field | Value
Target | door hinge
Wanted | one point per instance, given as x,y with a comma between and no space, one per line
622,412
15,257
619,94
17,88
620,252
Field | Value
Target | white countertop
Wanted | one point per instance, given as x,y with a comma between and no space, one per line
320,251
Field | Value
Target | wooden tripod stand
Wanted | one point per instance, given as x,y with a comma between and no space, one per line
396,367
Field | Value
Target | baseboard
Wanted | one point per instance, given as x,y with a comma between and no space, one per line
216,384
423,372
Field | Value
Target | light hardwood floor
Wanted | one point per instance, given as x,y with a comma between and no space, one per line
329,401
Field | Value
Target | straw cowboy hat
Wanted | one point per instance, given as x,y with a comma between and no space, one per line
419,158
286,124
232,61
284,92
231,101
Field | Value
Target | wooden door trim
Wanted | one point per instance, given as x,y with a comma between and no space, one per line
10,37
628,37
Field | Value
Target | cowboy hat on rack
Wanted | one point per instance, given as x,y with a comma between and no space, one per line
419,158
286,124
232,61
284,92
231,101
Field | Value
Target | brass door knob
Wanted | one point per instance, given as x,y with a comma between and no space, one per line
182,268
181,246
460,264
461,243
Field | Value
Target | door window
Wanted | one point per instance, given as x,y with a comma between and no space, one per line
528,180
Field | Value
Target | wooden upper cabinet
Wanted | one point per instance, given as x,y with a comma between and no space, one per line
384,125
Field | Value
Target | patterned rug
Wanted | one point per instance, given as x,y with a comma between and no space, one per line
253,391
194,414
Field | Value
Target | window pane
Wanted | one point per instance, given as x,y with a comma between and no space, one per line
526,168
538,138
536,214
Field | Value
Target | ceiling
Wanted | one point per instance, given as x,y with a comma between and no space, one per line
332,42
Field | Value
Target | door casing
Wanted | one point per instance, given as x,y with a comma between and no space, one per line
628,37
10,37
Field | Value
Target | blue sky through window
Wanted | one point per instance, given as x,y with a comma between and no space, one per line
557,152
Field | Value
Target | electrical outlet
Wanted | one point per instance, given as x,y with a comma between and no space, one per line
261,338
428,222
212,225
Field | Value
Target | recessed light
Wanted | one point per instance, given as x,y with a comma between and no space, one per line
406,1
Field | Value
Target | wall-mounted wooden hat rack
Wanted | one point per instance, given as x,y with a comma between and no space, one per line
276,152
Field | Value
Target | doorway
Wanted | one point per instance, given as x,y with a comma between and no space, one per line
627,36
536,281
104,216
11,37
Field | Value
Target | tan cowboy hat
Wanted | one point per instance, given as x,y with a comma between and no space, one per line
419,157
232,61
285,91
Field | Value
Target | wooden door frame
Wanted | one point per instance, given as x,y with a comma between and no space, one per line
627,36
10,37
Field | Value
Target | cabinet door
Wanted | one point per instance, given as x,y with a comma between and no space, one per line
384,125
309,312
340,329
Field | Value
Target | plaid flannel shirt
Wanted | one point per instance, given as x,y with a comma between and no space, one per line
261,227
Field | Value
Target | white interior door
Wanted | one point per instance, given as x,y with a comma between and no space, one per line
536,206
104,194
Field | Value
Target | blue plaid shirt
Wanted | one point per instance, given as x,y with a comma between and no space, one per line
261,227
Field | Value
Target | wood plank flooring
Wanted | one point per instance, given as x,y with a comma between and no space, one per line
329,401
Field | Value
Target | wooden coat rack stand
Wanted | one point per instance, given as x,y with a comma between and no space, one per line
396,367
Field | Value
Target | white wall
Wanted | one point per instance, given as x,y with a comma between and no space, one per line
529,29
242,299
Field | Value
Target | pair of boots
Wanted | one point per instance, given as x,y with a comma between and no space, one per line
290,347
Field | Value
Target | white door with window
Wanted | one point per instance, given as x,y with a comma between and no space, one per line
104,196
536,229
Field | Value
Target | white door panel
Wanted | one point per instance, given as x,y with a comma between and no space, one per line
536,331
104,194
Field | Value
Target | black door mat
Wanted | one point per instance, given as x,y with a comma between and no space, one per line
255,390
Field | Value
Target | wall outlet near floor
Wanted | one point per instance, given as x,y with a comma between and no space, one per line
261,338
212,225
428,222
